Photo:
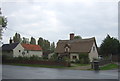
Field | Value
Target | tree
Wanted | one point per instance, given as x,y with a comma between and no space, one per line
3,24
52,47
46,45
33,41
40,42
25,40
109,46
77,37
3,21
17,38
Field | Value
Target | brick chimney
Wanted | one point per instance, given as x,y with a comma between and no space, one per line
71,36
10,41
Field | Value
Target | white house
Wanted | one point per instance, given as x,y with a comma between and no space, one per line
18,49
74,47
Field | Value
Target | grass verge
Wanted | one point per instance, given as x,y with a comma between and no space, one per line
109,67
35,65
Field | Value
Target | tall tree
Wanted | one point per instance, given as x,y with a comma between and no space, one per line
17,38
33,41
52,47
25,40
109,46
3,24
40,42
46,45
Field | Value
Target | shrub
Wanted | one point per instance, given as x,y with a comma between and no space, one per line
5,57
83,58
34,57
77,61
66,59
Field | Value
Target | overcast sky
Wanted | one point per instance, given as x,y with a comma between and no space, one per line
56,20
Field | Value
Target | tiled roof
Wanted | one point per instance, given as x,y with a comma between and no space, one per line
31,47
76,45
9,46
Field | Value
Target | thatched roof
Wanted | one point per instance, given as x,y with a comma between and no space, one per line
76,45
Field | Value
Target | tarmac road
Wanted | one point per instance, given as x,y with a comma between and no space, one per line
23,72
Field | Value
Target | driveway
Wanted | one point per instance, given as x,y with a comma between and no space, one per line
23,72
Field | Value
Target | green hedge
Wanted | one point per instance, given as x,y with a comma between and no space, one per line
83,58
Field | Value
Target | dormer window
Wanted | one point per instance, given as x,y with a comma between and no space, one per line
67,49
93,48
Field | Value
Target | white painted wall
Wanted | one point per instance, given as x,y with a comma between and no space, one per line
36,53
16,52
93,53
74,54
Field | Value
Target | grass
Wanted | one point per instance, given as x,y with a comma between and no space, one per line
109,67
36,65
106,67
82,64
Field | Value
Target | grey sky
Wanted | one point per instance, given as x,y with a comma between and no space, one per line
56,20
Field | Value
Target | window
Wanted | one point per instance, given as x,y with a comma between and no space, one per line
74,57
66,49
93,48
27,51
19,50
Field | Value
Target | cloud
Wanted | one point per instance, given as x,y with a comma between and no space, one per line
55,20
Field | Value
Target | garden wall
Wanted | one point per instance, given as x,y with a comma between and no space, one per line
104,62
51,63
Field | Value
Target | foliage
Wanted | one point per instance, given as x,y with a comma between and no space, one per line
21,58
33,41
109,46
78,37
3,24
5,57
40,42
83,58
25,40
45,44
35,58
52,47
3,21
66,59
54,57
77,61
17,38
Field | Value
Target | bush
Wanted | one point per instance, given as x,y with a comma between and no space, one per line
5,58
77,61
66,59
34,57
27,58
84,58
54,57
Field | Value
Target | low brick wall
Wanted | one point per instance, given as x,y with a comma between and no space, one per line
104,62
51,63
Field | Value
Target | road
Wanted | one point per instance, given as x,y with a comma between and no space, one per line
23,72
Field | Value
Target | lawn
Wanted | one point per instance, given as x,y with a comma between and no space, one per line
109,67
